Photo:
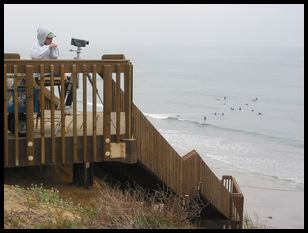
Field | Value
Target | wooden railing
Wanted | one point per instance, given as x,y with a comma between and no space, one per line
236,200
34,145
187,175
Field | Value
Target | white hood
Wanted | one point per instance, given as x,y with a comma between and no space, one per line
42,33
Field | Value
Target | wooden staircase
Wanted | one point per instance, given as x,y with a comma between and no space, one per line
186,175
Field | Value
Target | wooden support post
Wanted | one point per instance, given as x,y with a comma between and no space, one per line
107,109
5,118
62,97
29,111
84,118
16,116
118,103
42,109
52,90
94,114
74,76
83,174
128,101
131,101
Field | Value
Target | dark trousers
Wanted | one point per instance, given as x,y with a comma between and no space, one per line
69,99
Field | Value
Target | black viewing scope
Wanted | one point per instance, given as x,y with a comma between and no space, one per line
79,42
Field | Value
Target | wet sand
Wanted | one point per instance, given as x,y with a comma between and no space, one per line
276,203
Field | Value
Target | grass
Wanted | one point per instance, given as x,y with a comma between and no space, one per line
136,208
252,223
111,208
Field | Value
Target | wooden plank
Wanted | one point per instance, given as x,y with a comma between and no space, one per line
52,91
175,171
16,116
202,177
118,103
145,136
62,97
139,127
127,97
171,167
68,68
69,125
177,180
181,176
151,148
142,139
146,143
199,167
174,168
166,153
162,151
42,112
5,118
169,164
94,113
207,182
113,56
131,99
84,101
107,108
29,111
186,183
158,153
74,76
11,56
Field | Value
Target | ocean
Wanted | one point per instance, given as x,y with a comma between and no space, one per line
240,108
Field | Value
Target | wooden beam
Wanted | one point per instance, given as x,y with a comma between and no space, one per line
16,116
94,113
52,90
118,101
29,111
128,103
42,107
67,65
62,98
85,126
74,76
107,76
5,118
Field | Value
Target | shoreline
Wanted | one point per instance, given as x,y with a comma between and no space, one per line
274,203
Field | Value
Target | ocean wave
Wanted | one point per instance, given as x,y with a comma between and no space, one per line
176,117
257,172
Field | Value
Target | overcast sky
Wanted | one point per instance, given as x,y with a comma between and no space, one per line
155,25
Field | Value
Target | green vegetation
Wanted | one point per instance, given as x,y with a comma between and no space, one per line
112,208
250,223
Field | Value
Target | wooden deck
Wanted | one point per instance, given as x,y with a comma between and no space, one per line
120,133
69,124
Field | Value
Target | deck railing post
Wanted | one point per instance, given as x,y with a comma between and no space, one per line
6,153
107,76
29,111
128,101
42,109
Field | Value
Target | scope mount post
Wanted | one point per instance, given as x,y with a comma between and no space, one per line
78,51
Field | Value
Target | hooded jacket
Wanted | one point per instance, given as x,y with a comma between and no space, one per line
41,51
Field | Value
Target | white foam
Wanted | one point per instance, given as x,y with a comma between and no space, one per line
157,116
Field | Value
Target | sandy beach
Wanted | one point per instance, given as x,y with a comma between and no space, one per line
276,203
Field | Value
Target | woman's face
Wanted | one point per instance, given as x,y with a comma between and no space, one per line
48,41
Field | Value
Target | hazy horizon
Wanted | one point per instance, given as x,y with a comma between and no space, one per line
119,26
